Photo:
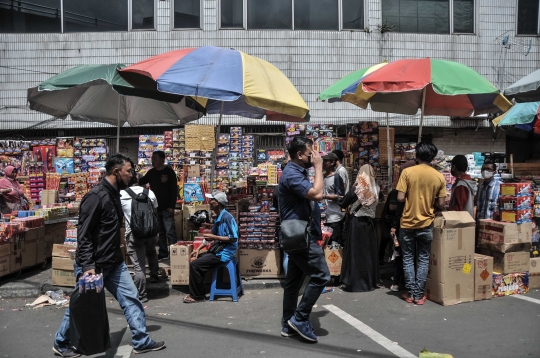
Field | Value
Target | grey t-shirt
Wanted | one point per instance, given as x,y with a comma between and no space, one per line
333,210
342,171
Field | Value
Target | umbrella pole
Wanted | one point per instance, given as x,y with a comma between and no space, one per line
422,114
212,170
118,127
389,150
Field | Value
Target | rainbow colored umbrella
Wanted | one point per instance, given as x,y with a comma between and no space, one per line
229,82
435,87
224,81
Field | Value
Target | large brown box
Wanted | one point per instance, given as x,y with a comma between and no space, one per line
262,263
534,273
334,260
5,248
503,236
508,262
450,276
483,277
60,250
49,197
5,265
179,258
62,271
29,257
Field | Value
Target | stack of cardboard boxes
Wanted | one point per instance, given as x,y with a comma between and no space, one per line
450,276
509,245
62,266
21,245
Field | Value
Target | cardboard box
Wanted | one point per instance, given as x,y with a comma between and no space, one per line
15,262
334,259
63,278
509,262
483,277
262,263
503,236
179,261
49,197
5,249
62,263
517,216
510,284
60,250
450,275
516,189
534,273
40,251
5,265
29,254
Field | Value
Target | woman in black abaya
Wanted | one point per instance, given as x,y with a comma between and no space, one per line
360,268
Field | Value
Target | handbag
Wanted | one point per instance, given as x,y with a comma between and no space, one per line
294,235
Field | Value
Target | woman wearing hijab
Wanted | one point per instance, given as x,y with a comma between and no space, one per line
12,191
360,268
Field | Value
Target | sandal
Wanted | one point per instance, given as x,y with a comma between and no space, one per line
407,298
189,299
421,301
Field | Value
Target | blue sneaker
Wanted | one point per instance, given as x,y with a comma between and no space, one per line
304,329
287,331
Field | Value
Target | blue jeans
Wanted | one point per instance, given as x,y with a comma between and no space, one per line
167,233
118,282
411,240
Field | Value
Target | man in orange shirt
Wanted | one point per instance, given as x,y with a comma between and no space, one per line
422,188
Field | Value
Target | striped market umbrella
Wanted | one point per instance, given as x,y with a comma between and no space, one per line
435,87
224,81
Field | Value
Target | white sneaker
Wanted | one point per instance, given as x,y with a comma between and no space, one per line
394,288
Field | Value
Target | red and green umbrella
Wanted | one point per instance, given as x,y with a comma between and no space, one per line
436,87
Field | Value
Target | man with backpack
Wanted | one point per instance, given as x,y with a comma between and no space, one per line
140,211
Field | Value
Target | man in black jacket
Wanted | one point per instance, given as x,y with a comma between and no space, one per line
98,251
163,183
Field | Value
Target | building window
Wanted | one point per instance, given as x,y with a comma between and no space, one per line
269,15
316,15
232,14
37,16
353,14
95,15
527,17
187,14
143,14
429,16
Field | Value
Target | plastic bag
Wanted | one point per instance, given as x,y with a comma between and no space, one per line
89,322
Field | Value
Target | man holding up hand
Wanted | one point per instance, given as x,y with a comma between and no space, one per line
298,200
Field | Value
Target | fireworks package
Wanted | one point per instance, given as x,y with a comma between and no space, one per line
88,321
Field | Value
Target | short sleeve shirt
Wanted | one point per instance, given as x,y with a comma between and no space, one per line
293,187
225,225
422,186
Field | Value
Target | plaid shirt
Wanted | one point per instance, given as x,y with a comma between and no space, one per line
487,199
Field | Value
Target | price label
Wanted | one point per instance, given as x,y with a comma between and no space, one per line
467,268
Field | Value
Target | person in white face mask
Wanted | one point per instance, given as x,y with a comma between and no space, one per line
487,197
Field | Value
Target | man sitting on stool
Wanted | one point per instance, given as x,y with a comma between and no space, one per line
223,249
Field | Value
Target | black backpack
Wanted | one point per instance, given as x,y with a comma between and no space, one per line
144,218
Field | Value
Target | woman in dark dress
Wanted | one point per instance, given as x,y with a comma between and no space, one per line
360,268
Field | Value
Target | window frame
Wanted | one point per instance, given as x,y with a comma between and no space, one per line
450,21
201,18
130,17
245,19
537,22
475,12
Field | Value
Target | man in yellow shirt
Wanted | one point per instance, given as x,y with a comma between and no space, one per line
423,189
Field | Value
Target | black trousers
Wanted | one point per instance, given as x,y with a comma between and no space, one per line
313,264
337,232
197,270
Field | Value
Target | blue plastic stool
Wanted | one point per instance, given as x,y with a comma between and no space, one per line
236,287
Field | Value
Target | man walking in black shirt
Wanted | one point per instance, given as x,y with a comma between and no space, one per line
162,180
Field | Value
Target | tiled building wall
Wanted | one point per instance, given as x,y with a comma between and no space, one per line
312,60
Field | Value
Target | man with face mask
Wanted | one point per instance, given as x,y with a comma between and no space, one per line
98,251
488,193
464,188
298,199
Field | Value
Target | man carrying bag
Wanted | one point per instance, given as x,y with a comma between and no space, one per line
301,228
98,251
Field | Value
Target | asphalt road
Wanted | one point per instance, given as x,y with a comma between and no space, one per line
389,327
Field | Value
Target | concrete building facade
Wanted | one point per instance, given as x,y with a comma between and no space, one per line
314,42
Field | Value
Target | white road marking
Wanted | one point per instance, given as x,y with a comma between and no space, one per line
533,300
124,351
368,331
